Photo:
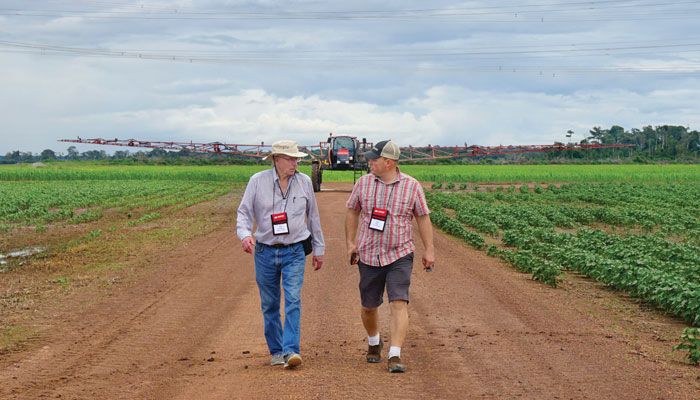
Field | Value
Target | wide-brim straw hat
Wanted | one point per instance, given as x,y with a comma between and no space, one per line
286,148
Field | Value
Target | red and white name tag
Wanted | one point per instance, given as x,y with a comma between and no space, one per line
378,219
279,224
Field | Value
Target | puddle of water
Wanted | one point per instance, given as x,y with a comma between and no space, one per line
30,251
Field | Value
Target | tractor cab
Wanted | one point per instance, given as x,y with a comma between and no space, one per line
342,152
339,153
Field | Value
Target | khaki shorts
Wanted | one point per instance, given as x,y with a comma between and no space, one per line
396,277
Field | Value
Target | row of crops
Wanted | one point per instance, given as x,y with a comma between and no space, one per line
640,238
424,173
43,202
57,195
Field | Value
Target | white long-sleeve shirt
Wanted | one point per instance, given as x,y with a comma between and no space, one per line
299,202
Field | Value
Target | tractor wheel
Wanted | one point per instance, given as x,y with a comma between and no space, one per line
316,175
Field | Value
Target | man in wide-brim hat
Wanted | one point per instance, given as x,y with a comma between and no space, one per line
281,203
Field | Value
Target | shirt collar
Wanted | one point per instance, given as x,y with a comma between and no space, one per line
399,176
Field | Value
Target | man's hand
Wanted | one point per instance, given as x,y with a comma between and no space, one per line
428,259
248,244
352,254
425,227
317,262
351,219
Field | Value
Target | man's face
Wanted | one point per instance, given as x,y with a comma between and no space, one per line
286,166
378,166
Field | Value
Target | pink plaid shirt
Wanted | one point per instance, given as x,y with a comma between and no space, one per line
403,198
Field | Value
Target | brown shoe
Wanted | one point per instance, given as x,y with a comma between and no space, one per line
374,353
395,365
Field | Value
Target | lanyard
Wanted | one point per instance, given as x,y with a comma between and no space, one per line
285,198
388,199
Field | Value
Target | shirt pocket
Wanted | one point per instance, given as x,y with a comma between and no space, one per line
403,208
298,205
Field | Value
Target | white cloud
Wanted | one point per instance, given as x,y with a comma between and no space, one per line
440,116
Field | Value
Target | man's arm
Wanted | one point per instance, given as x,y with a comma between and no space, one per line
245,217
351,220
314,220
425,228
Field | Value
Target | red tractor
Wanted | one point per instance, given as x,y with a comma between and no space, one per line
339,153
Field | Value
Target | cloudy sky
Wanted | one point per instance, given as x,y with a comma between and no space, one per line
440,72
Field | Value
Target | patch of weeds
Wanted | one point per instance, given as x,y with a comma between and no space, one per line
690,340
87,216
166,234
58,215
41,228
145,218
437,185
11,336
103,267
4,228
75,243
94,234
63,281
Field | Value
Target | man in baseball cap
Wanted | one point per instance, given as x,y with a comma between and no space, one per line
379,239
385,148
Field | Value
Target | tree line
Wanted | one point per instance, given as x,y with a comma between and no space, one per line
661,142
651,144
154,156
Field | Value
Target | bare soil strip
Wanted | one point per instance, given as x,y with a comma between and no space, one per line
192,329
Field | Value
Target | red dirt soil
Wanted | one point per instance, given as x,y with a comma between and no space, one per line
192,329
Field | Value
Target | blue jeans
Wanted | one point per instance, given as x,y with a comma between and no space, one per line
271,264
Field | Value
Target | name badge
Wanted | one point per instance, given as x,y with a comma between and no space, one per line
378,220
279,224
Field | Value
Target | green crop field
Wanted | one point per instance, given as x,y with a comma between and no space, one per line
79,194
91,172
42,202
554,173
642,238
425,173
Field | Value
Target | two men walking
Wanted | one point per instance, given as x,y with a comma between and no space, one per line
378,229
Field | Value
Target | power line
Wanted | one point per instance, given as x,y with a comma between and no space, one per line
558,50
512,13
368,58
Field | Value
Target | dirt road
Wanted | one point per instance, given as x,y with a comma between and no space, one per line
192,329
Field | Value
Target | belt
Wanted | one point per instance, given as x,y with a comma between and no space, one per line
278,245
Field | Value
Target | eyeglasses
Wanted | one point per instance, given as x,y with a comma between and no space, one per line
287,158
